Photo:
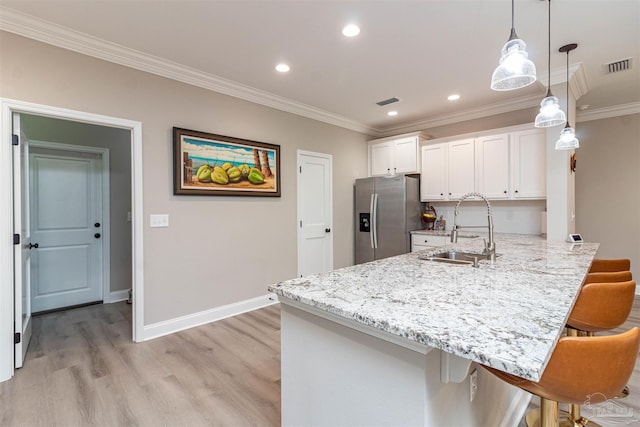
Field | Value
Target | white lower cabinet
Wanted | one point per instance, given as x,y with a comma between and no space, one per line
421,241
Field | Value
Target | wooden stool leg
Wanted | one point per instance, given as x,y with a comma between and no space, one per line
548,413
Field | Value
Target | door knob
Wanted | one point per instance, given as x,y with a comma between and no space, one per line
31,246
96,225
327,230
97,235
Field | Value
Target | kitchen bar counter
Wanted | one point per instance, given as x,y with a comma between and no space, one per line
507,314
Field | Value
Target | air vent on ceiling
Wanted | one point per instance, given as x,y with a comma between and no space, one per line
617,66
387,101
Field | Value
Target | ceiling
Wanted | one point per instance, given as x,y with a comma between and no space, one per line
417,51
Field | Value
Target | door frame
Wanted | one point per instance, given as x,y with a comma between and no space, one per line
7,108
299,237
106,219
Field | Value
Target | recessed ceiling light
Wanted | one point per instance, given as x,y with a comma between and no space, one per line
283,68
351,30
392,113
453,97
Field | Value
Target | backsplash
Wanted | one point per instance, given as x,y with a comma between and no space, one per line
520,217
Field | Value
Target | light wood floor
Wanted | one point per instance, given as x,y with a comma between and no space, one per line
82,369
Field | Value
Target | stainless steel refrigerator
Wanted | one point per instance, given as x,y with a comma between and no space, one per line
387,209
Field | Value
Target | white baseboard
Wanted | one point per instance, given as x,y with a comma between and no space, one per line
517,410
117,296
167,327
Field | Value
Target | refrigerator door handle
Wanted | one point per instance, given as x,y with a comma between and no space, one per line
374,220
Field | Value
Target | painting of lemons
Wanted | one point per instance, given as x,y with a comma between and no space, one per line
222,165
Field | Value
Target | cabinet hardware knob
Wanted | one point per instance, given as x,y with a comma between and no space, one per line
516,191
96,225
327,230
442,194
97,235
505,191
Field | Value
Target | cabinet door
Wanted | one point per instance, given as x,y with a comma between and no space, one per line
405,155
492,166
529,164
433,179
380,159
461,168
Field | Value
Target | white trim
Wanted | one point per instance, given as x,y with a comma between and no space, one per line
117,296
106,200
7,108
608,112
177,324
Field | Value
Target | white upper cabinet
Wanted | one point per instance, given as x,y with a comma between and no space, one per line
395,155
508,165
380,159
492,166
461,168
529,164
433,179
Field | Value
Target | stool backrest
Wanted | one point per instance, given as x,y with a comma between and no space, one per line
600,265
602,306
607,277
591,369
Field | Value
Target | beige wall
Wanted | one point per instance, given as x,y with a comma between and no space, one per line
217,250
118,142
607,178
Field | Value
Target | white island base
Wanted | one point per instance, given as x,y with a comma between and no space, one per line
336,372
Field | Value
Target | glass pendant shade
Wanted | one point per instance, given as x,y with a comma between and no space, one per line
550,113
567,140
516,70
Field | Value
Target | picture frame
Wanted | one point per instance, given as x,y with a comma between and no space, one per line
207,164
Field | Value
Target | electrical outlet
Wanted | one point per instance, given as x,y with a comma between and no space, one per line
473,385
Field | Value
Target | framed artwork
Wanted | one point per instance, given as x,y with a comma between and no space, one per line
217,165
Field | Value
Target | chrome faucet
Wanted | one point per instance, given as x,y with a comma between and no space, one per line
489,247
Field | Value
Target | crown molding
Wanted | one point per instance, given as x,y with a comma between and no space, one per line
607,112
470,114
28,26
578,82
56,35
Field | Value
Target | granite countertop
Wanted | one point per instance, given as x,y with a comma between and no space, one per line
507,314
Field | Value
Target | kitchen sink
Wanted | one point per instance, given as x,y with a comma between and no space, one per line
456,257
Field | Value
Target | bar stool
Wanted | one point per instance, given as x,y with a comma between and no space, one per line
580,368
601,265
608,277
600,307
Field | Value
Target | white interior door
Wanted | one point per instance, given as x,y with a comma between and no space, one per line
66,223
315,241
22,251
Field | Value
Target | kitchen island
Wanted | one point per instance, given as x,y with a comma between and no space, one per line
391,342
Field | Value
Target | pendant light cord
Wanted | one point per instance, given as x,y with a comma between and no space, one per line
549,53
568,125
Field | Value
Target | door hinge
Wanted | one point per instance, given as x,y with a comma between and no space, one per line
15,140
17,338
16,239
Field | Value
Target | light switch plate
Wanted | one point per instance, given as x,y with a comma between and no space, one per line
159,220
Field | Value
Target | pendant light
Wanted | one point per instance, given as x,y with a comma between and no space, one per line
550,113
515,69
567,139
